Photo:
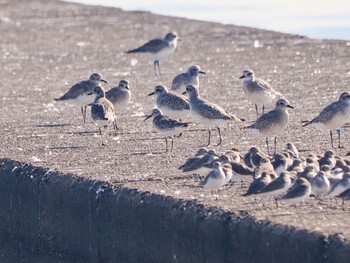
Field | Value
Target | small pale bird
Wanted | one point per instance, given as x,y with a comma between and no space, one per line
273,122
80,93
166,126
207,113
216,178
102,111
257,90
334,116
191,77
300,191
174,105
120,96
158,48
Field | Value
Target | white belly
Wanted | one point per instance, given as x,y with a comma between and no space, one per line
81,100
174,114
206,121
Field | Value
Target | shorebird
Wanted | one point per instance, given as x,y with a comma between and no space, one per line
78,94
309,173
334,116
273,122
300,191
320,184
292,149
278,186
201,166
340,186
280,163
258,184
120,95
190,77
297,166
158,48
190,161
257,90
173,105
102,110
328,159
166,126
207,113
216,178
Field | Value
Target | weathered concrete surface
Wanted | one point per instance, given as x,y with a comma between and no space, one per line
47,46
68,219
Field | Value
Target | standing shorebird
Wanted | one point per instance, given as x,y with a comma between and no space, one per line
120,96
173,105
79,93
158,48
216,178
273,122
334,116
207,113
190,77
102,111
257,90
167,127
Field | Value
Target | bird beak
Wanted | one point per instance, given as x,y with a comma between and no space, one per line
149,116
152,93
179,39
202,72
89,93
242,77
102,80
127,87
290,106
183,93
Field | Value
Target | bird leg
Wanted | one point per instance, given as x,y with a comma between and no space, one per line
209,131
166,144
338,131
263,109
83,111
158,63
257,111
331,134
220,140
172,143
115,125
275,145
102,143
267,146
155,67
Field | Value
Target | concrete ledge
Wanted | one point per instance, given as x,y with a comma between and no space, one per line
51,217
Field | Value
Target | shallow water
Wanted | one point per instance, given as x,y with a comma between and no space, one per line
315,19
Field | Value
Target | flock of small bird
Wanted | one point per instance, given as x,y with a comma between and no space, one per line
287,176
172,106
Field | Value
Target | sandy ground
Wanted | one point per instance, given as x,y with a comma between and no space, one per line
47,46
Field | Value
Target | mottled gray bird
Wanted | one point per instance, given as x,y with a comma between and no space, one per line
199,167
207,113
175,106
265,166
158,48
80,93
257,90
334,116
102,110
340,186
297,166
292,149
300,191
227,168
166,126
273,122
254,157
190,77
120,96
309,173
190,161
280,163
258,184
278,186
216,178
328,159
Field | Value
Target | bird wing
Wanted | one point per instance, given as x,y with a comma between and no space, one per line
296,191
212,110
77,90
102,110
327,113
152,46
264,121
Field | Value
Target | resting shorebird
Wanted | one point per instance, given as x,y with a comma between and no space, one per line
257,90
120,95
158,48
334,116
80,93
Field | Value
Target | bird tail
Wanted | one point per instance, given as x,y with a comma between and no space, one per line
235,118
276,93
132,51
58,99
307,123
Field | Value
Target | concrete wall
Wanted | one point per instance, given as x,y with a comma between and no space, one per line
51,217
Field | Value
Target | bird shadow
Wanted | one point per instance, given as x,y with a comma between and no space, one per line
67,148
53,125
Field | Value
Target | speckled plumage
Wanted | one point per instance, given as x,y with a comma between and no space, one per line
166,126
173,105
334,116
80,93
190,77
